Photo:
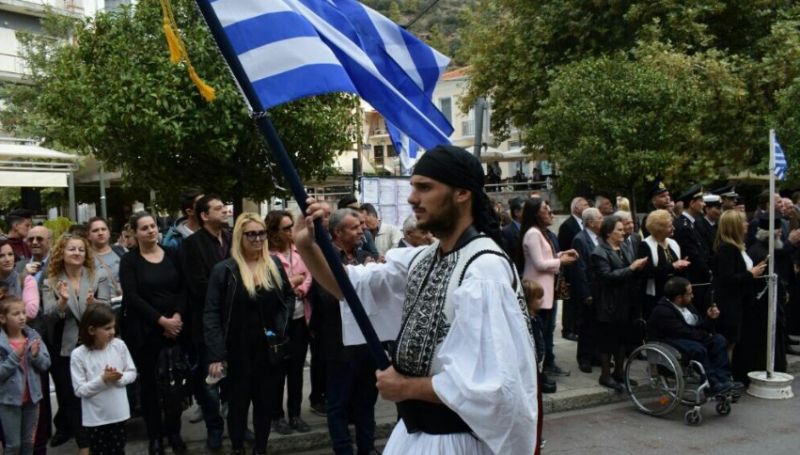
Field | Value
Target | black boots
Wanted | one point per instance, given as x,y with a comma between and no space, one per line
176,442
156,447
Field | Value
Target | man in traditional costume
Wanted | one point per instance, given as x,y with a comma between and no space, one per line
464,373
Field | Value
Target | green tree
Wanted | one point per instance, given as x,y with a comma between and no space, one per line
437,40
394,12
734,54
411,6
612,120
110,90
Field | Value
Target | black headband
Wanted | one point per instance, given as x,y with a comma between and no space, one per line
453,166
457,167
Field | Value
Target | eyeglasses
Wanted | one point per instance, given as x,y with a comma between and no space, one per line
287,228
35,239
255,235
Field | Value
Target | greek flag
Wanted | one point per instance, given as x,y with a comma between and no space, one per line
405,148
781,166
290,49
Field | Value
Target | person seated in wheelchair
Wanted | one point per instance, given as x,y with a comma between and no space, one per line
675,321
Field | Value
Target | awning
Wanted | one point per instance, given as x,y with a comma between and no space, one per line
18,179
23,163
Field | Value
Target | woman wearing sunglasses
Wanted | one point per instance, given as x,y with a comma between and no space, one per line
154,301
281,245
248,306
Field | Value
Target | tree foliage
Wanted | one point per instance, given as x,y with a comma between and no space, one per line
712,67
110,90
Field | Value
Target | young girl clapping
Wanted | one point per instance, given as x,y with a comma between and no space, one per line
101,368
23,357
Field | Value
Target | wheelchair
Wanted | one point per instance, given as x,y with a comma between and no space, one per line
658,378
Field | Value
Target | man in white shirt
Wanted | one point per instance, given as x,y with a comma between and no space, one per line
386,236
464,353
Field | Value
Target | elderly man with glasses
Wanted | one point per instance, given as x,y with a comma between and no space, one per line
38,239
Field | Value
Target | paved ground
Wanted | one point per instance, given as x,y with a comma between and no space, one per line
576,391
755,426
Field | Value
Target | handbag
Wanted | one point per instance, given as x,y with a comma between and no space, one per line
277,343
562,286
277,348
173,372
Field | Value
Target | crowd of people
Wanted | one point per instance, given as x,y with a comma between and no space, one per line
608,271
197,300
465,296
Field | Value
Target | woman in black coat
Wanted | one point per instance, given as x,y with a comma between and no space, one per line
154,300
615,298
734,276
249,300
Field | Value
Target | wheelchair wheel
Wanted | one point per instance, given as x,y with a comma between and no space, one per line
724,406
693,416
654,379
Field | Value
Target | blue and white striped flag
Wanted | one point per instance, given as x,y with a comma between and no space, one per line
291,49
781,166
404,146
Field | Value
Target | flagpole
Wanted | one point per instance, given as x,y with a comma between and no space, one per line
771,281
293,179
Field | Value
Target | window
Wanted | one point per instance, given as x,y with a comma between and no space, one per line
446,106
468,125
390,153
377,154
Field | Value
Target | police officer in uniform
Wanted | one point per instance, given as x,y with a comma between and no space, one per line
692,245
707,225
659,199
728,197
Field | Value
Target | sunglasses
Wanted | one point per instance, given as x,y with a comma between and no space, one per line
287,228
255,235
35,239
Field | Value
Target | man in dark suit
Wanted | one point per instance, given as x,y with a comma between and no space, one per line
573,224
692,245
566,233
706,225
199,253
675,321
584,243
511,232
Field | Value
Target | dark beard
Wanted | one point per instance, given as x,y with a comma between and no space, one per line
444,223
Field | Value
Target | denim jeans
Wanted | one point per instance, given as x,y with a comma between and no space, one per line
208,395
18,424
351,388
711,353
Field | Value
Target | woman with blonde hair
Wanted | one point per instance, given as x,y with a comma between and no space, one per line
248,306
734,275
664,258
623,204
72,285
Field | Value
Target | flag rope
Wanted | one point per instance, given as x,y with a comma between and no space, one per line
178,53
